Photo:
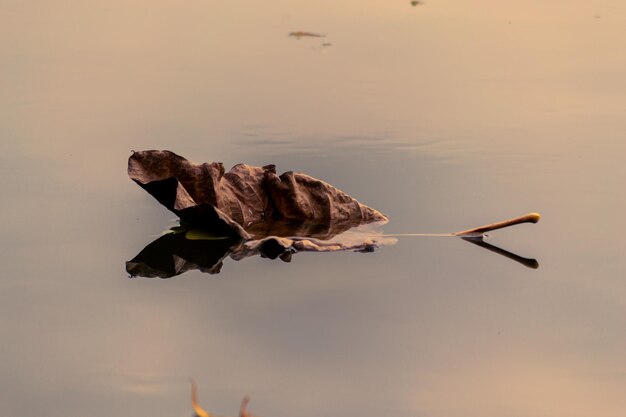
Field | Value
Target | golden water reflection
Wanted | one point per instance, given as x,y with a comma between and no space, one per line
440,115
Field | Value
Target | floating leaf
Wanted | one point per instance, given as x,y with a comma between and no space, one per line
247,201
252,211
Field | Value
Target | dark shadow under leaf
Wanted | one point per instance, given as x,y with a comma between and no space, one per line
175,253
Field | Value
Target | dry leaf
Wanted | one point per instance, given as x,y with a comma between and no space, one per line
249,202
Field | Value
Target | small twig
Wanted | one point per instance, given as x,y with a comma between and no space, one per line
479,231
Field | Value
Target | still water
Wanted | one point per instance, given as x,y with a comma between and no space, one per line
443,116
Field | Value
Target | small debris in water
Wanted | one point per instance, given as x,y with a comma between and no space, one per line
299,35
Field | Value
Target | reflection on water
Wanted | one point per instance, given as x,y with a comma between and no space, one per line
172,254
184,250
528,262
441,116
325,42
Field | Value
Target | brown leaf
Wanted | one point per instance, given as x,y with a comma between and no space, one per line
249,202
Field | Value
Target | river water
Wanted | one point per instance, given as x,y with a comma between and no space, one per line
443,116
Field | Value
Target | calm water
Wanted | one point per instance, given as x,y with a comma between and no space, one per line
443,116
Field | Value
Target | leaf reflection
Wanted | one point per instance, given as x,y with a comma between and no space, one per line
175,253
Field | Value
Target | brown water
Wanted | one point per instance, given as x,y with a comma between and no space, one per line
443,116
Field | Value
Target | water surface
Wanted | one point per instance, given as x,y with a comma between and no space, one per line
443,116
